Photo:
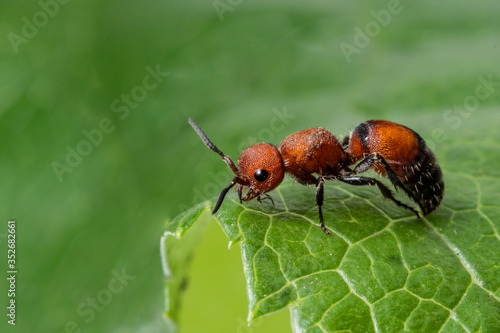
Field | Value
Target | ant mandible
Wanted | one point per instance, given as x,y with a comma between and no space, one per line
392,150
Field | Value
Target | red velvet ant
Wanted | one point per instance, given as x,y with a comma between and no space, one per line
392,150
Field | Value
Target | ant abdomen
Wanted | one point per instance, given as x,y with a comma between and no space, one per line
425,182
400,154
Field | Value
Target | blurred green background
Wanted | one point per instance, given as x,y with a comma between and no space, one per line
73,67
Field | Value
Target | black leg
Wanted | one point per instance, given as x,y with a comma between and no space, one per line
345,142
367,163
386,192
319,202
265,196
240,192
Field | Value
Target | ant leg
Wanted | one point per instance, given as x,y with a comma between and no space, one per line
368,161
386,192
270,198
345,142
319,202
266,196
240,192
397,182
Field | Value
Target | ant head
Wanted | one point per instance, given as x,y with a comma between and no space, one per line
261,169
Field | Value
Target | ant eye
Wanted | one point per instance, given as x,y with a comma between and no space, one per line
260,175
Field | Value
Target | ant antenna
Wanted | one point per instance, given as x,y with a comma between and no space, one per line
204,137
223,195
225,158
214,148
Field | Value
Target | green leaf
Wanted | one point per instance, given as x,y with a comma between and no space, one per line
176,256
381,269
